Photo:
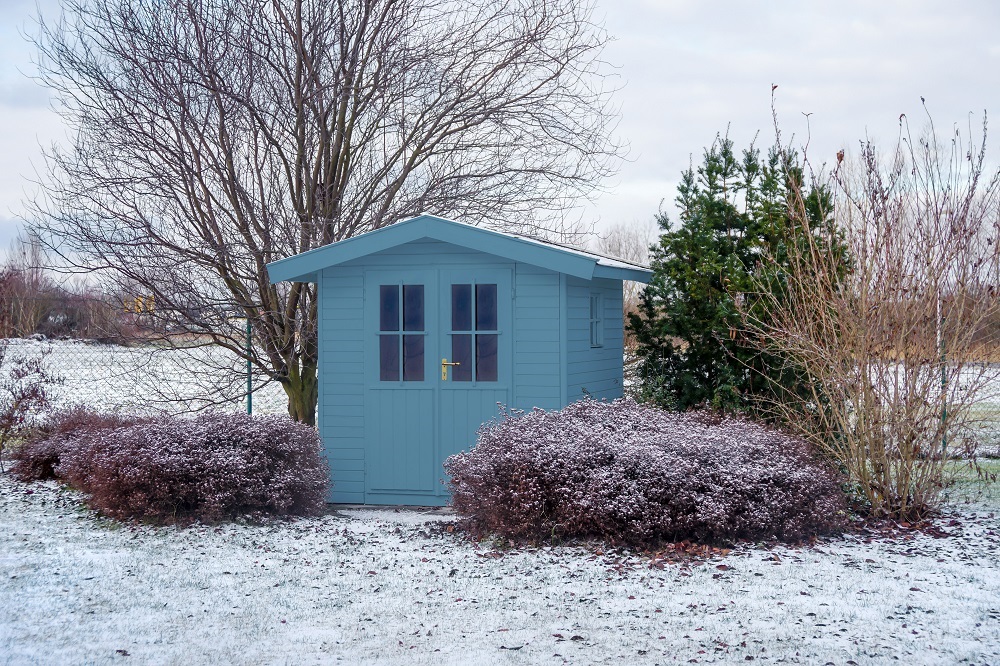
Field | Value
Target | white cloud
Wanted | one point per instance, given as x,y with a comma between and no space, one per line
25,117
689,69
9,229
692,69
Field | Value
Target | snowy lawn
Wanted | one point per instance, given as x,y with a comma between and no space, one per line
381,586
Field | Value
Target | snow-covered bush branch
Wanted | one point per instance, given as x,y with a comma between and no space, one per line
177,470
23,394
638,475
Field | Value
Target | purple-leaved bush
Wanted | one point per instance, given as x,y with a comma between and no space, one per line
42,450
209,467
637,475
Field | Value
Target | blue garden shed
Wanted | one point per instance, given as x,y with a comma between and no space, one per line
426,325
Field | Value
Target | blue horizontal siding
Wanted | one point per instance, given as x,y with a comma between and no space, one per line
345,433
535,369
339,474
341,377
536,340
598,370
344,454
345,398
537,376
348,492
595,376
346,467
528,300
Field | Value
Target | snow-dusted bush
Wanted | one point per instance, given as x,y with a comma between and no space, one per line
24,383
638,475
208,468
42,451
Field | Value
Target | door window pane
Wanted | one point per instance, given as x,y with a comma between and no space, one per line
486,357
461,307
388,358
413,307
388,307
486,307
413,358
461,353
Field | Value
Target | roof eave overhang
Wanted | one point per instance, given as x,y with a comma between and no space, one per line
305,267
617,273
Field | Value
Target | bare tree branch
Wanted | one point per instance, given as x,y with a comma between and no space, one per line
210,138
901,349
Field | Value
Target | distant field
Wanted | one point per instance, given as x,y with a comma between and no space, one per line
148,377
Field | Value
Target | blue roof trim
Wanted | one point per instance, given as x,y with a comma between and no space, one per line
304,267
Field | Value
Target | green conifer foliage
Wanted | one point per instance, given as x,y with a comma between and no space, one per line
733,226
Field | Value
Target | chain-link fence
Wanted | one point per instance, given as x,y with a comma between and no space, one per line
125,352
182,373
147,377
986,414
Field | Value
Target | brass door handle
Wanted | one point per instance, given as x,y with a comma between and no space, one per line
444,368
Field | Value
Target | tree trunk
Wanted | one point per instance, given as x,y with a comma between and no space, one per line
247,132
302,389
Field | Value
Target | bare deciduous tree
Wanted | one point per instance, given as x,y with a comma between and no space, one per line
629,241
210,138
894,349
24,287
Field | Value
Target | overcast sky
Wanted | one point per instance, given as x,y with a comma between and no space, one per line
687,70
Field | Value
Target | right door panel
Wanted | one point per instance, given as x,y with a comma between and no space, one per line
476,325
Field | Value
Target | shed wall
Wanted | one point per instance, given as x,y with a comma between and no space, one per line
341,380
547,372
594,370
537,348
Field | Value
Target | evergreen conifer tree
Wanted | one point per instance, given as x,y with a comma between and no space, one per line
732,231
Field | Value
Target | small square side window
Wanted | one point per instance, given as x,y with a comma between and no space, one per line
596,321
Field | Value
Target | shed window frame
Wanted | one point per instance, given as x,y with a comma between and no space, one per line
477,334
400,332
596,320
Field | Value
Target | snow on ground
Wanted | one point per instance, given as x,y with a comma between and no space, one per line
384,586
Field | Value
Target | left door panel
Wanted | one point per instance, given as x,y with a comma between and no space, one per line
401,465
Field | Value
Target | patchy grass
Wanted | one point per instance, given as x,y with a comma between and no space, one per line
381,586
969,487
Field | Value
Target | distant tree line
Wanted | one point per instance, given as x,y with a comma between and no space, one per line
34,302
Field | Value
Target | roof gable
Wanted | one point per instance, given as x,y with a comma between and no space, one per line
578,263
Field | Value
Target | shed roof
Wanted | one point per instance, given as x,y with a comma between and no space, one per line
579,263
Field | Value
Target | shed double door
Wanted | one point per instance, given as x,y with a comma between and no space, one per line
437,363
